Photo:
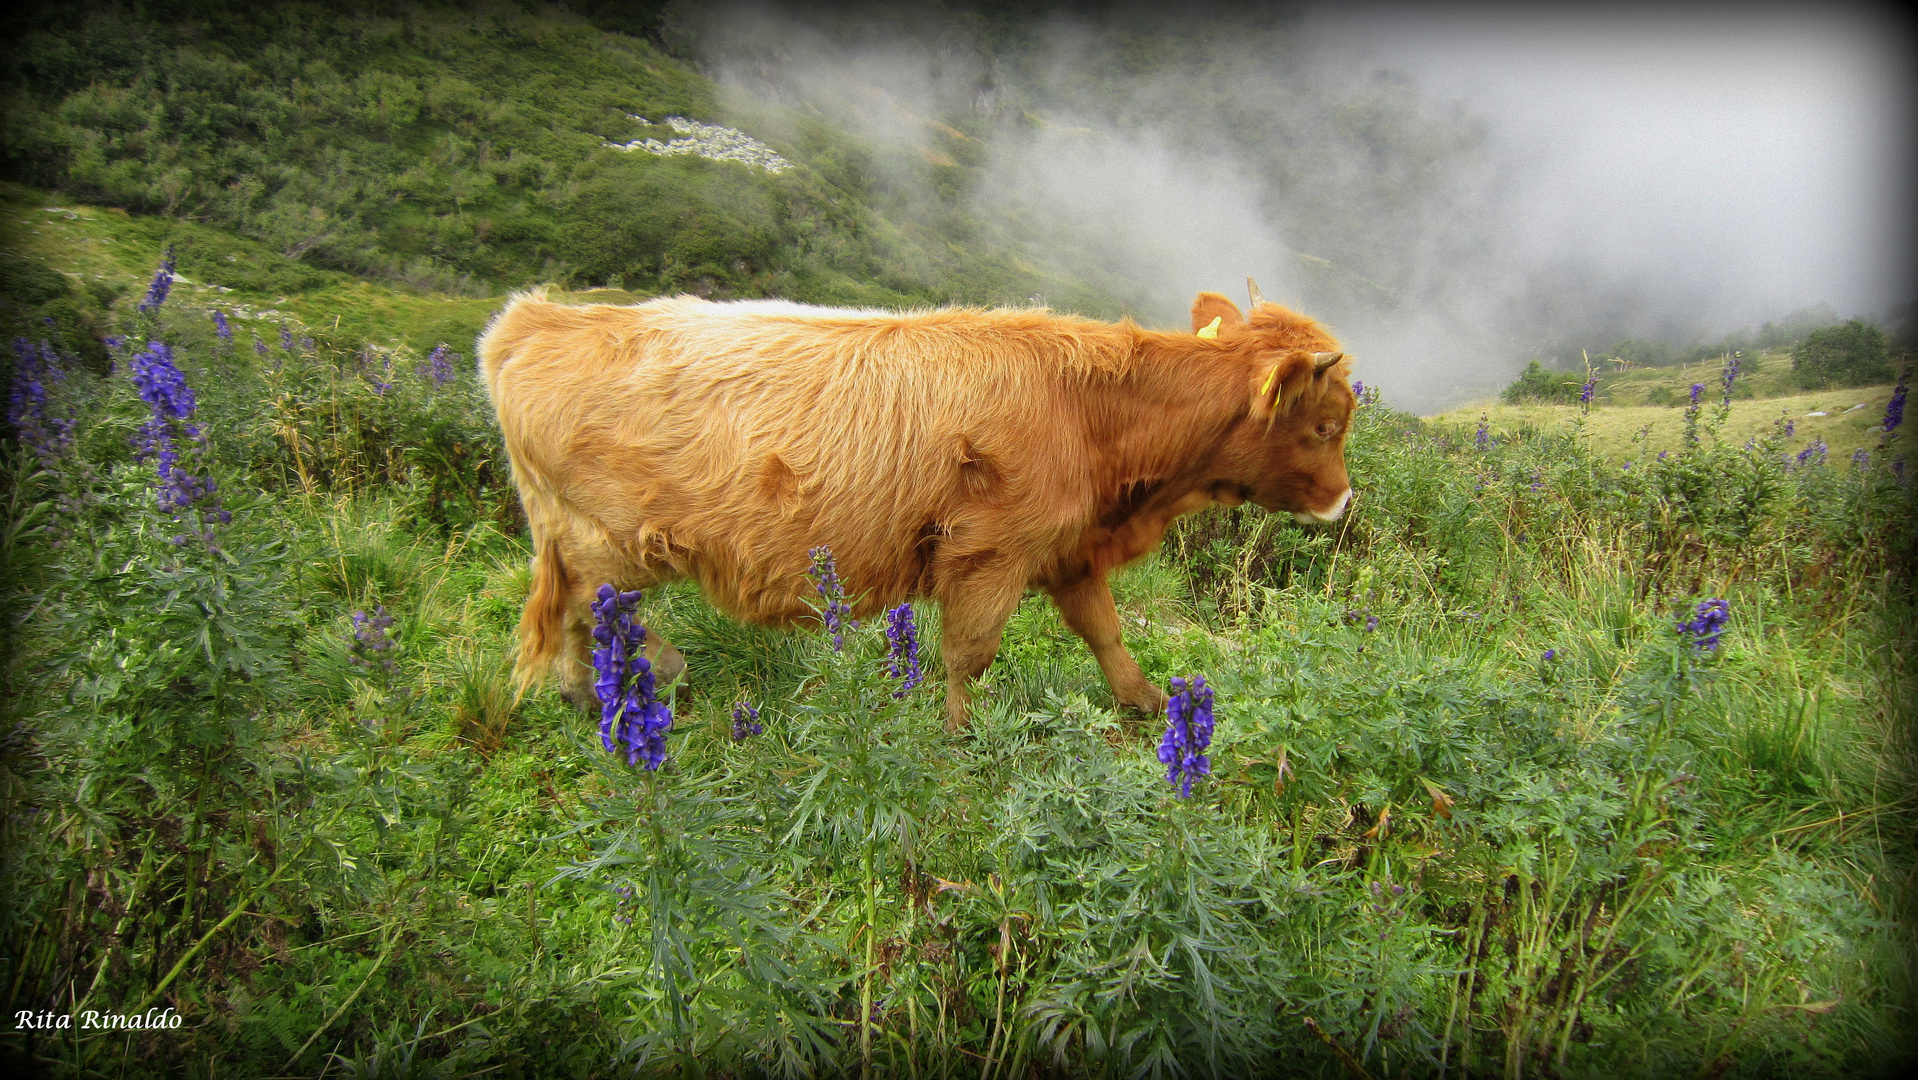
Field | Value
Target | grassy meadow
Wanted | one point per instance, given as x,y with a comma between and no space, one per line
1478,803
1643,410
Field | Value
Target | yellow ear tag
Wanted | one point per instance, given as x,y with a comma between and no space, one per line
1269,380
1211,329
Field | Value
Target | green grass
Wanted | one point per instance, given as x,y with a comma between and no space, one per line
1624,426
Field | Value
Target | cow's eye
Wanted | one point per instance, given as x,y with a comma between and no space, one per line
1328,428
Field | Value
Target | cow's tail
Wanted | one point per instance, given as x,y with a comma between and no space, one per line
504,335
542,626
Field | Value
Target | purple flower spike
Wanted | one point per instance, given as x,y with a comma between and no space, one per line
1707,624
439,365
181,492
1551,654
630,710
1188,732
1591,387
745,721
825,578
221,327
902,640
161,285
286,338
372,647
1895,408
47,437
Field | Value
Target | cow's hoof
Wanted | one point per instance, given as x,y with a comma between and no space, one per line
1147,707
669,665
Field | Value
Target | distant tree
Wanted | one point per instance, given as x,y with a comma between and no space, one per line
1536,383
1853,354
1645,353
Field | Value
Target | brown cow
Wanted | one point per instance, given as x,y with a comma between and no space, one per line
957,454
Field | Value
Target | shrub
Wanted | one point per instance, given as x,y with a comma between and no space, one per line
644,221
1535,383
1850,355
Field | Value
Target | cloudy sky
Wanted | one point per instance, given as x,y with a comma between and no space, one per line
1755,158
1645,172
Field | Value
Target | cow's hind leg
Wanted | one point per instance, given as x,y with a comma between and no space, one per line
1088,609
974,610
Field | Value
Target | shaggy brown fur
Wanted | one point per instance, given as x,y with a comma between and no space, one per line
956,454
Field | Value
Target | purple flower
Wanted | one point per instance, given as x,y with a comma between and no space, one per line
1706,624
1691,416
630,711
161,285
372,647
825,578
161,383
1814,454
1484,438
1895,408
1551,654
47,437
286,338
745,721
1730,376
259,346
439,365
1371,623
376,376
1188,732
1585,392
182,492
1860,458
902,642
221,328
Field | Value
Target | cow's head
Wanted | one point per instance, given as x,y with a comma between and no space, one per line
1289,453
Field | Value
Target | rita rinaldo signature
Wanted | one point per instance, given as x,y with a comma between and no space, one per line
91,1020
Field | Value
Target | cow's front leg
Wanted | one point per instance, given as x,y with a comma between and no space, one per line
1088,609
972,617
577,678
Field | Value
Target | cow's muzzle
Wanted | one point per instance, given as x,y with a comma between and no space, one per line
1327,515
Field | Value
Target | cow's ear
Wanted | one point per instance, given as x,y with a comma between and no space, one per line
1277,382
1210,306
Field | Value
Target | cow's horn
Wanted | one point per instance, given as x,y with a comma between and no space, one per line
1253,288
1321,361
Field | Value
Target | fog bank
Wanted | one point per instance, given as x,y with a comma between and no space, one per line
1455,191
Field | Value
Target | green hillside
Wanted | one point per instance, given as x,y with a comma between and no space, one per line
463,151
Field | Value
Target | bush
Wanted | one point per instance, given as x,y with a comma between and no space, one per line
1850,355
646,221
1535,383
